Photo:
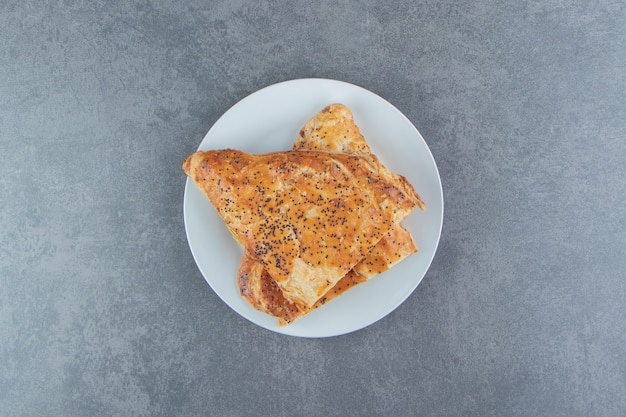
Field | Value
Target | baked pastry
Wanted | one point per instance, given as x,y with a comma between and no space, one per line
332,129
307,217
259,289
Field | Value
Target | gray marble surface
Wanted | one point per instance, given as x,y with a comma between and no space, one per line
104,313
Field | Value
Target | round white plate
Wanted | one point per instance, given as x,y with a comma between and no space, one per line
269,120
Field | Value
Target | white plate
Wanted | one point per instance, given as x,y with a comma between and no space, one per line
269,120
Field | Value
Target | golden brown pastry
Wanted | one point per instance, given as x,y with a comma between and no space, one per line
331,129
260,290
308,217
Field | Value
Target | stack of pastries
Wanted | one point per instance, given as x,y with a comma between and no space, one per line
313,221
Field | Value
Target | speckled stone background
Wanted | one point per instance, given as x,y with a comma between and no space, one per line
104,313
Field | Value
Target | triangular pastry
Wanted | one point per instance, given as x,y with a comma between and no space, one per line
332,129
308,217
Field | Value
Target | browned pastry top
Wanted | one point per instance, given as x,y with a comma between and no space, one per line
307,216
